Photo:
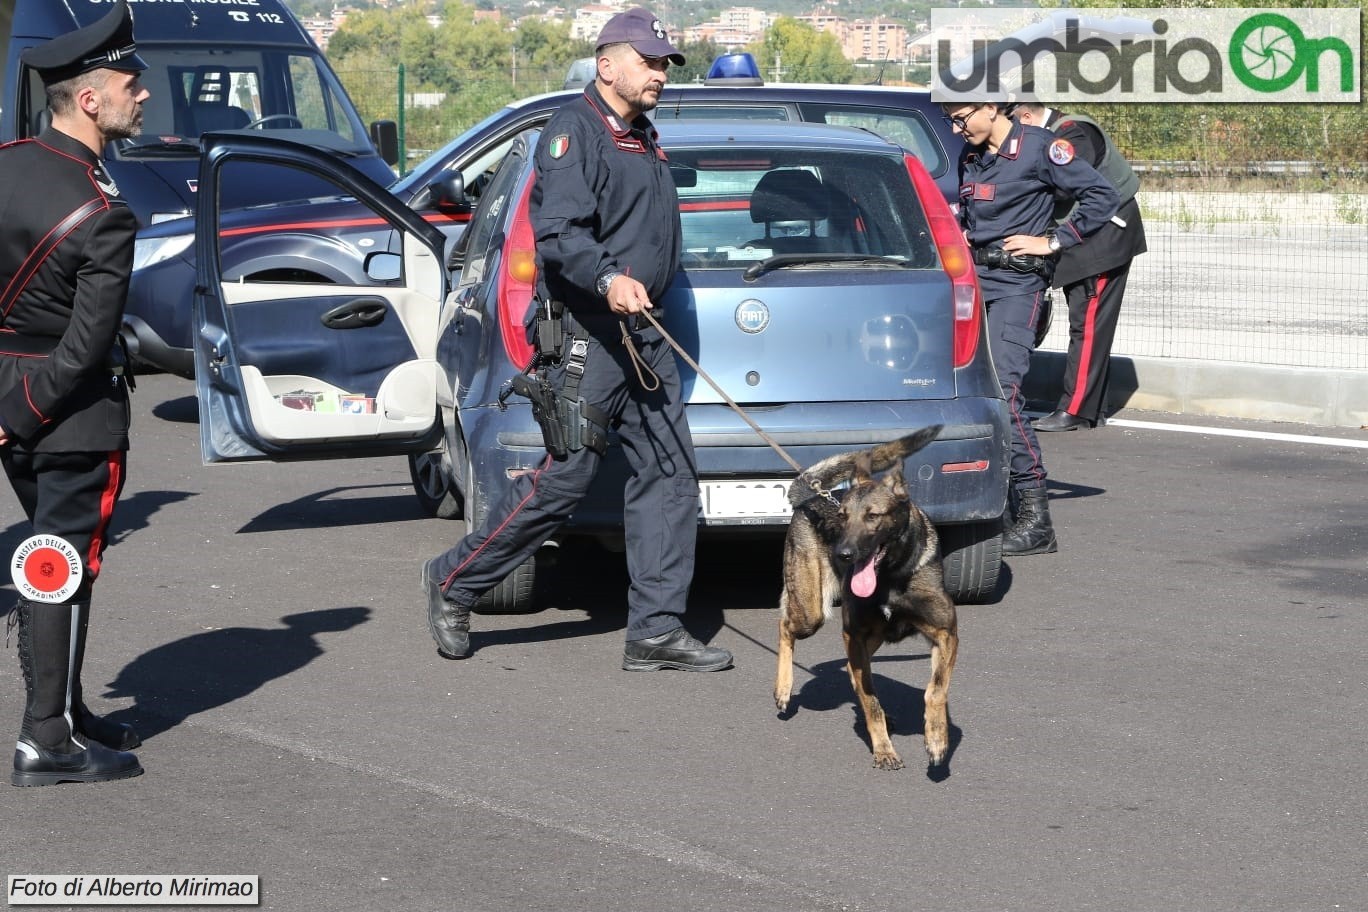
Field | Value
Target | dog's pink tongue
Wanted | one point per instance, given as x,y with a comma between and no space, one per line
864,580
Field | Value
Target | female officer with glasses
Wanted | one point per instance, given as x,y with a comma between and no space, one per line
1009,175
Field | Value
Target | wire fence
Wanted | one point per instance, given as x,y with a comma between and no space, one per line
1257,221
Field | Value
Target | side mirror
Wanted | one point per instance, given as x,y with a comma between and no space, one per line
448,193
383,266
683,177
384,135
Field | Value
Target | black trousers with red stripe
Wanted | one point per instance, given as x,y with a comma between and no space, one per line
1094,308
1012,323
72,496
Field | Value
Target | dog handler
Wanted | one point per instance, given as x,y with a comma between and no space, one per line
606,218
1009,175
66,251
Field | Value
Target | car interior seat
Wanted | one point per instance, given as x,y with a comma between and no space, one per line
210,116
793,196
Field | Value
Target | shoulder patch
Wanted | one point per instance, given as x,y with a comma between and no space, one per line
560,144
1061,152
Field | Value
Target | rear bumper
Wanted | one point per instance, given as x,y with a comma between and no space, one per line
960,477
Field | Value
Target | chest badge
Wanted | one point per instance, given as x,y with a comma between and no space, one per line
559,146
1061,152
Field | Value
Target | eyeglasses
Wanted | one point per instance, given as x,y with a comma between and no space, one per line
961,121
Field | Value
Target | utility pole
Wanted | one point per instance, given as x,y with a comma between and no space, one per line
778,71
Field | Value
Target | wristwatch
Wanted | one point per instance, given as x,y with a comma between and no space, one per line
1055,246
604,281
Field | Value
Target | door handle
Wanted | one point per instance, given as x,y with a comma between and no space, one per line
356,314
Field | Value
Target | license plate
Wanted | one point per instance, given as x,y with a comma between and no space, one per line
758,502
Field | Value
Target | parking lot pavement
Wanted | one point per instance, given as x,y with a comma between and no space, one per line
1161,716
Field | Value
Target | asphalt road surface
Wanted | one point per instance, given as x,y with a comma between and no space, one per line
1166,715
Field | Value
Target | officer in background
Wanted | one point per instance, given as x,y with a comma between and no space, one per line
1009,175
66,250
606,218
1093,275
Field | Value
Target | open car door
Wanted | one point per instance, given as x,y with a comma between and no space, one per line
312,370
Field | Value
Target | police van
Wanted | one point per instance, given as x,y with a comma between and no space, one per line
213,65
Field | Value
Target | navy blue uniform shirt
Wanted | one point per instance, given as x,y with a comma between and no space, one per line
603,202
1013,192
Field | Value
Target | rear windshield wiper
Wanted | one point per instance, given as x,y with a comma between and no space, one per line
780,260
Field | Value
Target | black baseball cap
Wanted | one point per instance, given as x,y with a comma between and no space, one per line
642,30
106,43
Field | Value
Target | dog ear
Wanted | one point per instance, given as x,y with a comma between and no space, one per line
863,466
896,482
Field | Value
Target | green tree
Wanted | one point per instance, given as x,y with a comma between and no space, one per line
800,53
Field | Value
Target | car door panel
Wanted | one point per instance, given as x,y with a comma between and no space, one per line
298,370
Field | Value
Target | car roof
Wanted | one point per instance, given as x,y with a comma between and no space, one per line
787,134
771,92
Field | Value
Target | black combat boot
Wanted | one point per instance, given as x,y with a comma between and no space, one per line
1032,533
49,749
115,735
448,622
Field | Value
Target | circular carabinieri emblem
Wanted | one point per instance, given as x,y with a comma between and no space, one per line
1061,152
46,568
559,145
656,27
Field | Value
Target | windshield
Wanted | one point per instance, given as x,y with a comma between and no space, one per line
197,89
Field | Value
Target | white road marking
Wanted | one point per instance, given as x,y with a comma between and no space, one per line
1232,432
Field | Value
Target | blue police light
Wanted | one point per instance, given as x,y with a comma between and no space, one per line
734,69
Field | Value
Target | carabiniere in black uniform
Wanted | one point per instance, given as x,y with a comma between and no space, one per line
603,203
66,251
1013,192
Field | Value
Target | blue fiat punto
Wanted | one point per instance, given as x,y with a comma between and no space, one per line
825,288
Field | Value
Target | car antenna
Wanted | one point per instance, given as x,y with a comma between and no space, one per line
883,65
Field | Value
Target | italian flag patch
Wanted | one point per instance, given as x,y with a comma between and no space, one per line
559,146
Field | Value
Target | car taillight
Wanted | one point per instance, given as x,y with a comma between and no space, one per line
955,258
517,281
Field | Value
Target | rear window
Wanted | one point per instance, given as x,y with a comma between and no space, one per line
740,206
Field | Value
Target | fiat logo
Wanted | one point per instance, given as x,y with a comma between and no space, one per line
752,316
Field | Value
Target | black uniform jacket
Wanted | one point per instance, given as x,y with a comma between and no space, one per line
66,251
603,201
1112,246
1013,191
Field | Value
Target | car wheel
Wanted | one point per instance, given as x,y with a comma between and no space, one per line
517,592
972,558
433,484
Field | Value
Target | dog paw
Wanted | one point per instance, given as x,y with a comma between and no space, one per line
781,701
888,761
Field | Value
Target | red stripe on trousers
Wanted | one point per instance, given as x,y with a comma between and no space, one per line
108,498
1086,352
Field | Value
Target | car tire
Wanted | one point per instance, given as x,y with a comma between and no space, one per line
971,555
516,593
436,490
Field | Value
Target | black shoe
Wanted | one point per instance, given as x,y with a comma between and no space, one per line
449,622
675,649
34,765
1060,420
117,736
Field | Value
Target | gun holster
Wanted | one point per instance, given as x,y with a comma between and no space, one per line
568,423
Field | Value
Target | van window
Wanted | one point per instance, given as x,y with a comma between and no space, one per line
907,128
199,90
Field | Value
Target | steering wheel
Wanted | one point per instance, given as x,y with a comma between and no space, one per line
270,117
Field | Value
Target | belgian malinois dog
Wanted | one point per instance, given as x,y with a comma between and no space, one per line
873,552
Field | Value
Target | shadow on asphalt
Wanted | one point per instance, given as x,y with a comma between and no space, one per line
177,680
904,706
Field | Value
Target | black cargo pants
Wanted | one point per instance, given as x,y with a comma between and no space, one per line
661,494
